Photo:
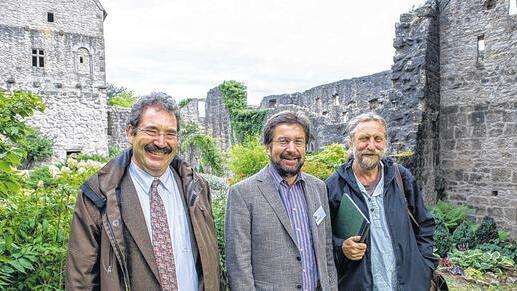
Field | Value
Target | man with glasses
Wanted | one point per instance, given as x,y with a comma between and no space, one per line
278,233
144,221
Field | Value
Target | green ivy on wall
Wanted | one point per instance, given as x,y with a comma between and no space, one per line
184,102
245,122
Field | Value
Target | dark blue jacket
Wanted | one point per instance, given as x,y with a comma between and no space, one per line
413,249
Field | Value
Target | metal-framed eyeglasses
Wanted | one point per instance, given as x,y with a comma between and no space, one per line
154,133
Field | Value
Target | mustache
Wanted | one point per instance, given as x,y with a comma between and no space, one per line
287,156
155,149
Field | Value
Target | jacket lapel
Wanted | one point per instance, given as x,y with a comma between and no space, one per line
134,221
272,196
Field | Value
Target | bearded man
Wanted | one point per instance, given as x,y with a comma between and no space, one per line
278,231
395,255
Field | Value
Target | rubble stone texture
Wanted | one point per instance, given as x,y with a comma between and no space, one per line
72,80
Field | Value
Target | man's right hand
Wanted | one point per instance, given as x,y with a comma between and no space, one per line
352,249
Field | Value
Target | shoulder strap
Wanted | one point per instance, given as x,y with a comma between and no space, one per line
98,200
402,192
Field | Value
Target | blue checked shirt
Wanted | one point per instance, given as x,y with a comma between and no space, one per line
293,197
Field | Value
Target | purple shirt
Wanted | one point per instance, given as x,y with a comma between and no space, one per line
293,197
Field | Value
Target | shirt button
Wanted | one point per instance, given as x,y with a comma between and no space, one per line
298,286
298,258
298,229
372,209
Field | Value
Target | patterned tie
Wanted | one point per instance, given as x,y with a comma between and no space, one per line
162,245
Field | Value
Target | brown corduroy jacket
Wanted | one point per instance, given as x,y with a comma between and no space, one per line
110,248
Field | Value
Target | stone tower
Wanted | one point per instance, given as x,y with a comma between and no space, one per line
55,49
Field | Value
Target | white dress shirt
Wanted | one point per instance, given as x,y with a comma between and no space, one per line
186,273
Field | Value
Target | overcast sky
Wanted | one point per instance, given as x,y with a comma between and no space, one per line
186,47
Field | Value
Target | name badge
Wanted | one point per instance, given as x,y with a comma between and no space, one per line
319,215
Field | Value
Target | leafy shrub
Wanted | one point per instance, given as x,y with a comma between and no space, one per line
35,227
37,147
92,157
451,215
246,160
487,231
463,237
218,209
442,239
505,248
13,108
324,163
125,99
192,139
216,184
114,151
481,260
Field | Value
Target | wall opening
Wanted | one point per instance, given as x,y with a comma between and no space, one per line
38,58
512,9
336,99
489,4
83,65
50,17
481,48
271,103
201,107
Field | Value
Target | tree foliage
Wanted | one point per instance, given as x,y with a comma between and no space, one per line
14,107
192,139
326,162
37,146
246,159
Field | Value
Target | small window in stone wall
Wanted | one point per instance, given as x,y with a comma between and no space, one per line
50,17
83,60
271,103
512,9
481,48
489,4
336,99
38,58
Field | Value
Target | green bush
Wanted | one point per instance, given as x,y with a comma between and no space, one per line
442,239
463,237
482,260
218,209
35,227
184,102
92,157
193,138
451,215
246,160
487,231
326,162
37,147
507,248
125,99
13,108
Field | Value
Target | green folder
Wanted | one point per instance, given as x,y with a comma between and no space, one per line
350,220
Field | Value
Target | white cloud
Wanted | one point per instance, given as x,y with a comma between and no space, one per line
185,47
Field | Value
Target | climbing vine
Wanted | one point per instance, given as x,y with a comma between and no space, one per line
184,102
245,122
193,139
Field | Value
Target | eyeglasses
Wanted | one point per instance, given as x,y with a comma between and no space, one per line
154,133
299,143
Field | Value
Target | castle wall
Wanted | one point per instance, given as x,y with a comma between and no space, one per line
72,78
217,118
478,117
118,119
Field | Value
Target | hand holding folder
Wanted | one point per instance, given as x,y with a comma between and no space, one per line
350,220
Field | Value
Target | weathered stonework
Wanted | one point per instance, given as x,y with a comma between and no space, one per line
118,119
217,119
478,116
72,79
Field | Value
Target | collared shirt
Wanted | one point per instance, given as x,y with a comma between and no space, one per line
293,197
186,273
382,256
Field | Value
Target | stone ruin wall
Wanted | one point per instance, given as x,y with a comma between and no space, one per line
478,115
74,92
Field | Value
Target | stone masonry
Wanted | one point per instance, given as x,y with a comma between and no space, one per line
55,49
478,114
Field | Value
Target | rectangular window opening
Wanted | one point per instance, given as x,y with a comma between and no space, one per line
38,58
81,60
512,10
50,17
481,48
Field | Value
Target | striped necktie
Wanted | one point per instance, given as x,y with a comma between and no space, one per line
162,245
